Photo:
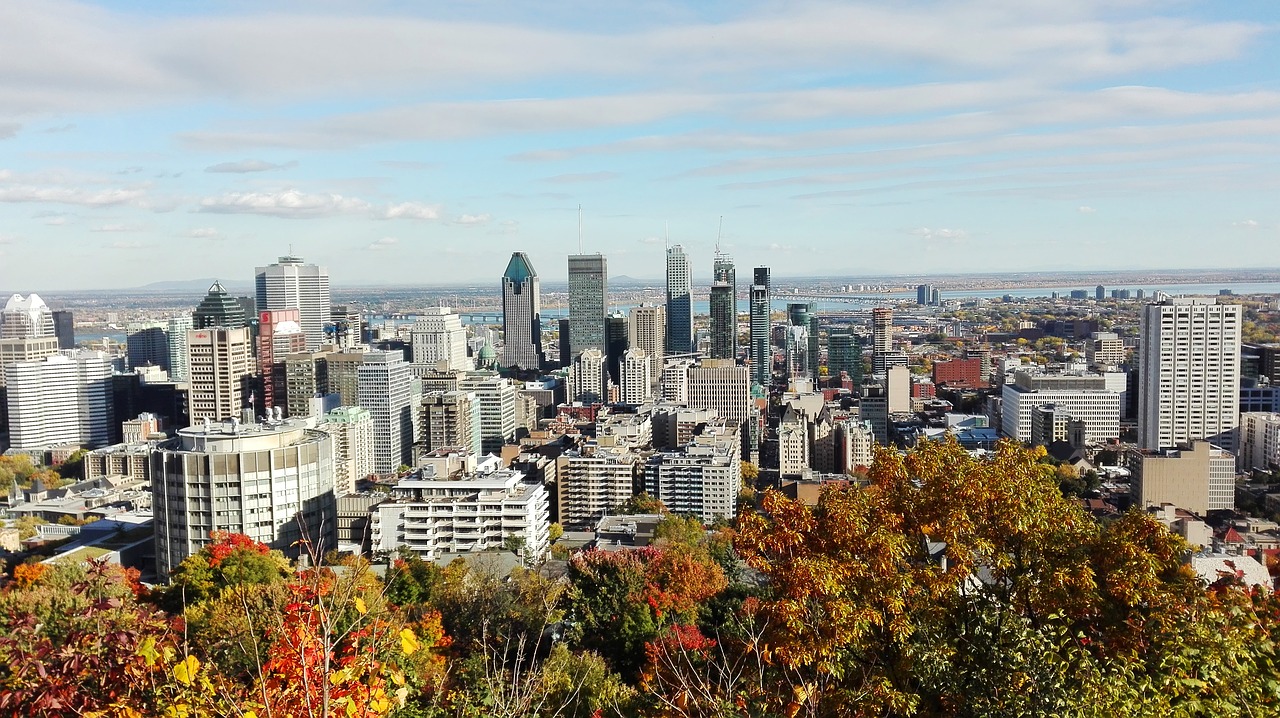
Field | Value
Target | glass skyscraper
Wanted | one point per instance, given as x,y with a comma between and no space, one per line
588,302
679,302
724,309
761,350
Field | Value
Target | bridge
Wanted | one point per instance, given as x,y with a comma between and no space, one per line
872,299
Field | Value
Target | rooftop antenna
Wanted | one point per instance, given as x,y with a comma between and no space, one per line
719,229
579,229
666,231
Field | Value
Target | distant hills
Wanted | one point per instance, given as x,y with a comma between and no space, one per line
195,285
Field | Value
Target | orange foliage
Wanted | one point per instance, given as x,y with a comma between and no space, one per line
25,575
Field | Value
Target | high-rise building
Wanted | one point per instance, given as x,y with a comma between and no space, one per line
352,430
497,397
679,302
588,302
279,335
648,331
292,284
1190,373
634,385
450,420
306,376
724,309
177,328
221,365
384,388
1259,441
1084,397
218,309
271,482
617,342
60,399
806,315
521,314
588,379
147,344
924,294
703,478
721,385
844,353
881,337
593,482
438,336
343,376
562,342
346,327
1100,292
64,326
26,318
761,328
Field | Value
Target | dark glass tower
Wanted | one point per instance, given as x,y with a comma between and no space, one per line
761,349
617,343
724,309
521,314
679,302
218,309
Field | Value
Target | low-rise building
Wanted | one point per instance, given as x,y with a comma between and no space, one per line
1197,477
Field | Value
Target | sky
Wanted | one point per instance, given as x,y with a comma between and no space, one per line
422,143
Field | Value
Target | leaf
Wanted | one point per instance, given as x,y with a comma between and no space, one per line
408,642
148,651
363,609
185,671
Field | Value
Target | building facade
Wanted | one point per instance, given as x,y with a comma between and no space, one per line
438,336
521,314
221,361
679,302
60,399
291,283
588,302
761,328
384,389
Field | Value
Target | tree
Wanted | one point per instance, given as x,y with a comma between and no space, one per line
554,532
642,503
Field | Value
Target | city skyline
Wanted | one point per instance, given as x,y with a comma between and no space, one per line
946,137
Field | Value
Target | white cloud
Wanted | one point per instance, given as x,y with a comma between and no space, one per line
468,219
382,244
1247,224
244,166
74,195
125,245
411,210
776,247
115,227
1085,209
941,235
650,240
56,221
290,203
204,233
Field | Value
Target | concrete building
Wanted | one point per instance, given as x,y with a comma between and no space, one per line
898,389
588,302
450,419
724,387
1190,373
384,388
679,302
347,327
854,444
881,337
1106,349
272,482
521,314
1082,396
724,308
497,397
351,428
221,361
132,460
1259,441
438,336
290,283
141,429
793,444
588,381
1197,477
435,516
13,351
343,369
703,478
59,400
637,368
593,482
306,376
761,328
647,330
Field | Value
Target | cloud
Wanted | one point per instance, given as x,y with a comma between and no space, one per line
1085,209
205,233
581,177
650,240
1246,224
58,129
941,235
9,129
74,195
116,228
471,219
244,166
411,210
378,245
56,221
125,245
776,247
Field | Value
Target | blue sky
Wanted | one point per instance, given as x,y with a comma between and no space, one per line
423,142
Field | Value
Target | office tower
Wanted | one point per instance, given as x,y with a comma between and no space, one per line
588,302
562,342
588,379
521,314
1105,349
635,386
292,284
935,297
346,327
383,386
721,385
221,365
64,327
648,331
924,294
438,336
1197,477
881,337
148,345
1190,373
279,335
26,318
701,478
679,302
761,328
796,352
218,309
806,315
274,483
1100,293
450,420
497,397
306,376
1082,396
617,342
724,309
177,328
60,399
343,375
352,430
844,354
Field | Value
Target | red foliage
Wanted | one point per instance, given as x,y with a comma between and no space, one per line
225,543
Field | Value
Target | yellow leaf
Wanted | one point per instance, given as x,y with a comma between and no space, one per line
408,642
185,671
351,708
397,677
148,651
249,714
363,609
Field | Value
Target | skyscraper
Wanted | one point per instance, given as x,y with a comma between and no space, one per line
881,337
588,380
177,329
588,302
384,388
221,365
279,335
218,309
724,309
924,294
292,284
438,336
679,302
64,326
148,344
521,314
26,318
617,341
60,399
761,328
648,331
1190,373
635,385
